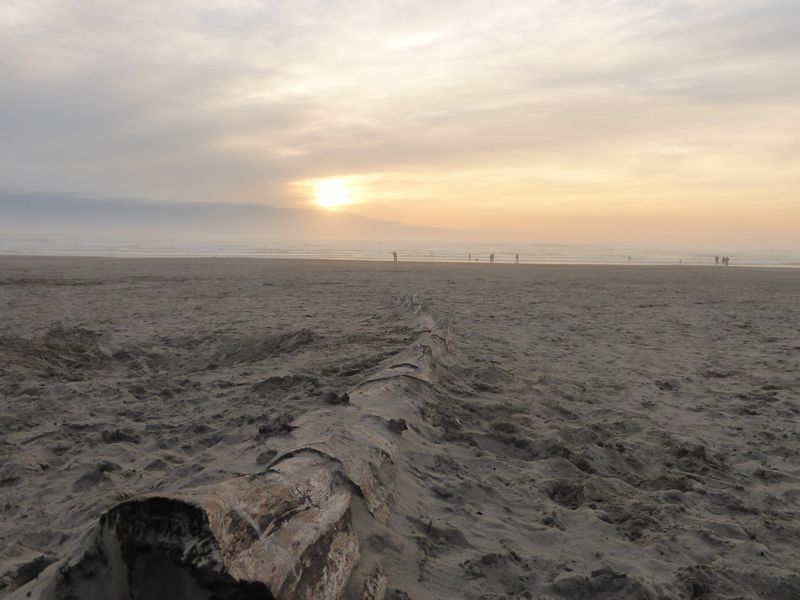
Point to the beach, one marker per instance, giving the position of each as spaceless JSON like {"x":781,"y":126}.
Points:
{"x":626,"y":432}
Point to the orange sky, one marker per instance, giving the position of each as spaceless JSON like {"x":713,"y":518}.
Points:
{"x":563,"y":121}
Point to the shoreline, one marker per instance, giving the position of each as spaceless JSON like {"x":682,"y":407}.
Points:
{"x":237,"y":257}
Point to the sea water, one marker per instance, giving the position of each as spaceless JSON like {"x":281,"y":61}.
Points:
{"x":382,"y":250}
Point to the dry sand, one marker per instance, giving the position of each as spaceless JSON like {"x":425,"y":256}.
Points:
{"x":594,"y":432}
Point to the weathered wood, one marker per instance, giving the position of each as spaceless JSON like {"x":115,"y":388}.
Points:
{"x":285,"y":534}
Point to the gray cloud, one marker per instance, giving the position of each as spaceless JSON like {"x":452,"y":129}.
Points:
{"x":107,"y":218}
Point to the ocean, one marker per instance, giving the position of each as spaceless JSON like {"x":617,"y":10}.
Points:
{"x":382,"y":251}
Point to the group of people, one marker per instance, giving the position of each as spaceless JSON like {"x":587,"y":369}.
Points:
{"x":725,"y":260}
{"x":491,"y":258}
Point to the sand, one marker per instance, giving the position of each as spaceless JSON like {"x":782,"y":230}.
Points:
{"x":593,"y":432}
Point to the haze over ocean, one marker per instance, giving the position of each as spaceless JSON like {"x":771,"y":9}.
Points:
{"x":530,"y":253}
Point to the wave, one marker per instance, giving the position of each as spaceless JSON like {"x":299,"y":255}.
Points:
{"x":450,"y":252}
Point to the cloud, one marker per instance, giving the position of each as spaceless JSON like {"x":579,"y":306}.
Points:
{"x":602,"y":105}
{"x":104,"y":218}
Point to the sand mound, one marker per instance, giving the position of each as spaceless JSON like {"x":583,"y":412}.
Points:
{"x":247,"y":351}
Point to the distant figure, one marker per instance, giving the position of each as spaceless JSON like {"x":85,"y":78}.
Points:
{"x":516,"y":259}
{"x":716,"y":259}
{"x":470,"y":258}
{"x":394,"y":255}
{"x":629,"y":258}
{"x":680,"y":261}
{"x":491,"y":258}
{"x":726,"y":260}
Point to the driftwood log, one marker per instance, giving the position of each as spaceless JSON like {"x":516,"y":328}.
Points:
{"x":286,"y":533}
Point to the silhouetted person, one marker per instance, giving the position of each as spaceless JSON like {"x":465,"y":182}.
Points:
{"x":394,"y":255}
{"x":470,"y":258}
{"x":516,"y":259}
{"x":491,"y":258}
{"x":716,"y":259}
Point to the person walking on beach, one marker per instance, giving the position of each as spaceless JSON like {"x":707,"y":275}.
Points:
{"x":516,"y":259}
{"x":491,"y":258}
{"x":469,"y":260}
{"x":394,"y":255}
{"x":716,"y":259}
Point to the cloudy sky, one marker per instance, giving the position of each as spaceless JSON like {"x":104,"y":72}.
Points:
{"x":623,"y":121}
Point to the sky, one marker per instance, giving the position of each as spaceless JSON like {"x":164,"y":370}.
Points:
{"x":627,"y":121}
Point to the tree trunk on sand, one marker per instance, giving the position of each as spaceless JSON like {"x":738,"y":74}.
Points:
{"x":287,"y":533}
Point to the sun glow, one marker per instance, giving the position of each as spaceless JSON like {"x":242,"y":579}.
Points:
{"x":333,"y":193}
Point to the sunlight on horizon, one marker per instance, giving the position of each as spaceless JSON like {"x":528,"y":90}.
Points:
{"x":333,"y":193}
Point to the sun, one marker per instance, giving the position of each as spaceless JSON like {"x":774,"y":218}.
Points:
{"x":333,"y":193}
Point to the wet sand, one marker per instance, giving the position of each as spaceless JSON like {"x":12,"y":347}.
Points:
{"x":594,"y":432}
